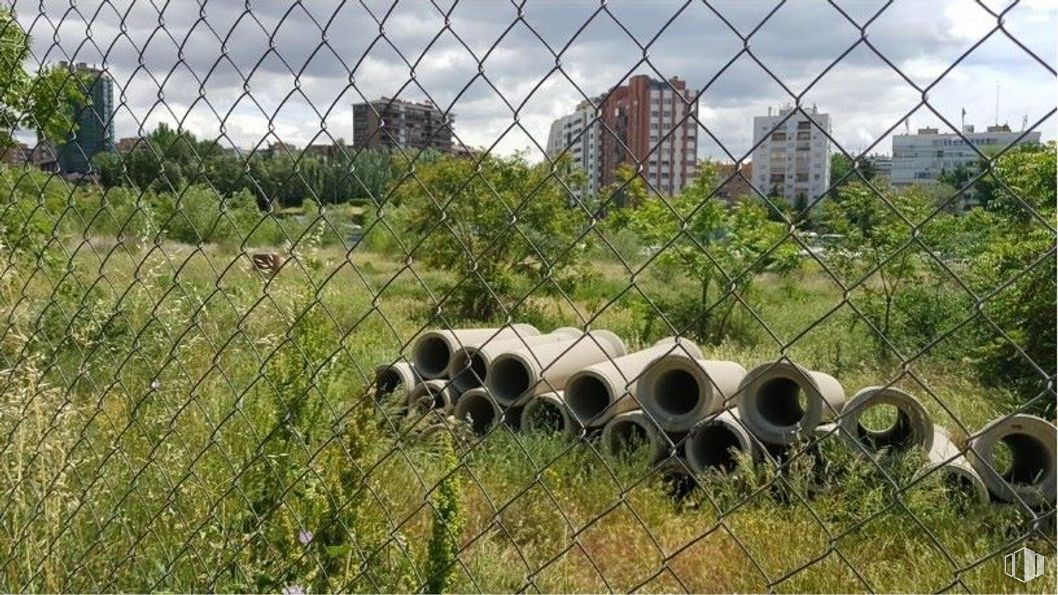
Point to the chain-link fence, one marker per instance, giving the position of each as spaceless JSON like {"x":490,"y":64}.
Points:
{"x":216,"y":370}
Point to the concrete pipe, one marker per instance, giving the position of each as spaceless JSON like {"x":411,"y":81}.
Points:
{"x":717,"y":443}
{"x":1027,"y":470}
{"x":470,"y":364}
{"x":633,"y":430}
{"x":782,"y":402}
{"x":676,"y":475}
{"x":517,"y":375}
{"x":429,"y":395}
{"x":954,"y":470}
{"x":432,"y":351}
{"x":679,"y":390}
{"x":547,"y":412}
{"x":910,"y":427}
{"x":396,"y":380}
{"x":598,"y":392}
{"x":479,"y":410}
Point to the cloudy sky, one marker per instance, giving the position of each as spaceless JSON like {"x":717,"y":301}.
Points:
{"x":271,"y":71}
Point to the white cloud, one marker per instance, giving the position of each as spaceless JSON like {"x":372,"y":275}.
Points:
{"x":245,"y":63}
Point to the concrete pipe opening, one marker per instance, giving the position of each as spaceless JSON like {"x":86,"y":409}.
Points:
{"x":588,"y":397}
{"x":477,"y":410}
{"x":1021,"y":459}
{"x":625,"y":438}
{"x":431,"y":356}
{"x":510,"y":379}
{"x":429,"y":395}
{"x":677,"y":480}
{"x":472,"y":369}
{"x":714,"y":446}
{"x":542,"y":415}
{"x":782,"y":402}
{"x":1015,"y":457}
{"x":676,"y":392}
{"x":388,"y":381}
{"x":880,"y":418}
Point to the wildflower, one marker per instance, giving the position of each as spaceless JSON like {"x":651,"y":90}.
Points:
{"x":305,"y":536}
{"x":293,"y":590}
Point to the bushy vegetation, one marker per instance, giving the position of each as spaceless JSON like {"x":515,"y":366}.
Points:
{"x":175,"y":420}
{"x":501,"y":225}
{"x":44,"y":100}
{"x":168,"y":160}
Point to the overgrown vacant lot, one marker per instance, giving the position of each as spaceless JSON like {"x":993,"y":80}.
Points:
{"x":176,"y":419}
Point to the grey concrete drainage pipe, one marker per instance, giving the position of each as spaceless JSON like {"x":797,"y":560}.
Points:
{"x":432,"y":351}
{"x":547,"y":412}
{"x":715,"y":444}
{"x":782,"y":402}
{"x":430,"y":395}
{"x":396,"y":380}
{"x":910,"y":428}
{"x":679,"y":391}
{"x":478,"y":409}
{"x":469,"y":365}
{"x":677,"y":477}
{"x":598,"y":392}
{"x":633,"y":430}
{"x":517,"y":375}
{"x":1026,"y":471}
{"x":955,"y":471}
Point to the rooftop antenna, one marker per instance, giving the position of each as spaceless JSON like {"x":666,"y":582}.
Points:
{"x":907,"y":126}
{"x":962,"y":123}
{"x":1024,"y":122}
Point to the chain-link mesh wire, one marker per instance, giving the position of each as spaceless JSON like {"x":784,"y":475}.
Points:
{"x":192,"y":327}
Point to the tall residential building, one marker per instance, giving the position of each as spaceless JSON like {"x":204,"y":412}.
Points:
{"x":792,"y":158}
{"x":577,"y":135}
{"x":922,"y":157}
{"x":650,"y":123}
{"x":394,"y":123}
{"x":95,"y":121}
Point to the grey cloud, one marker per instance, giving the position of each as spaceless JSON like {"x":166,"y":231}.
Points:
{"x":325,"y":41}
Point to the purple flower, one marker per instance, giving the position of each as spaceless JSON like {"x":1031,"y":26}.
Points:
{"x":293,"y":590}
{"x":305,"y":536}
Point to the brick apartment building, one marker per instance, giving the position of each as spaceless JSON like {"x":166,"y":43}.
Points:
{"x":644,"y":122}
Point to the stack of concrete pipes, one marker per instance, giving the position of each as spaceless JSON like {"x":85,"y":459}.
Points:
{"x":697,"y":415}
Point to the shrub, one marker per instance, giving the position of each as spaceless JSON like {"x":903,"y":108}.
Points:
{"x":500,"y":224}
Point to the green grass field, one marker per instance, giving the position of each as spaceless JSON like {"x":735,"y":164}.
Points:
{"x":172,"y":419}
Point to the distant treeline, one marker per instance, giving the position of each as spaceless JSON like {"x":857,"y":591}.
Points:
{"x":167,"y":160}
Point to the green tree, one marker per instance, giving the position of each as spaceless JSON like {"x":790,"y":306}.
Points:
{"x":845,"y":170}
{"x":501,"y":225}
{"x":1006,"y":245}
{"x":41,"y":101}
{"x":905,"y":296}
{"x":723,"y":249}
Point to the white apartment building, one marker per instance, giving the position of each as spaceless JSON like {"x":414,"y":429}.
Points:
{"x":578,"y":135}
{"x":921,"y":157}
{"x":793,"y":160}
